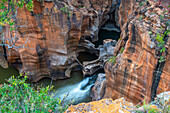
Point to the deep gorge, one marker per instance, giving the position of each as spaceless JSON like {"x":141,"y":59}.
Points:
{"x":77,"y":83}
{"x":91,"y":49}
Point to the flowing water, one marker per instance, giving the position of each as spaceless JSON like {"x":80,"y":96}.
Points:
{"x":77,"y":88}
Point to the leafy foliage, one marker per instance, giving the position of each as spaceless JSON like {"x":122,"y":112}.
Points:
{"x":8,"y":10}
{"x":65,"y":10}
{"x":141,"y":4}
{"x":112,"y":59}
{"x":159,"y":105}
{"x":140,"y":18}
{"x":19,"y":97}
{"x":121,"y":50}
{"x":160,"y":39}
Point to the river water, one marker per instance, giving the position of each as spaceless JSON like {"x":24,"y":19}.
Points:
{"x":6,"y":73}
{"x":77,"y":87}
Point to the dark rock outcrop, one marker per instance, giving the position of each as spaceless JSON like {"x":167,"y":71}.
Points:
{"x":99,"y":87}
{"x":105,"y":52}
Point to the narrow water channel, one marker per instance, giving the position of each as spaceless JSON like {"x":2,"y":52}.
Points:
{"x":76,"y":87}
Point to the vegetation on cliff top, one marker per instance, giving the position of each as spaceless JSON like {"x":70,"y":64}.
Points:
{"x":8,"y":10}
{"x":17,"y":96}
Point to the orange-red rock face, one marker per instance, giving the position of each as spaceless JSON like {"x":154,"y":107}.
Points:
{"x":137,"y":73}
{"x":49,"y":35}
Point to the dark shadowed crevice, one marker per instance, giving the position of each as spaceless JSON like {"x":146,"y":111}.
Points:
{"x":156,"y":78}
{"x":106,"y":34}
{"x":86,"y":56}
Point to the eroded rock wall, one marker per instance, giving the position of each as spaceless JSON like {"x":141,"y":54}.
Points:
{"x":46,"y":39}
{"x":137,"y":72}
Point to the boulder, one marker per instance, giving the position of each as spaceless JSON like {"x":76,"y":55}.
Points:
{"x":3,"y":61}
{"x":98,"y":89}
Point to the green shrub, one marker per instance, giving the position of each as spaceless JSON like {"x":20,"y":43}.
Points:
{"x":112,"y":59}
{"x":8,"y":8}
{"x":65,"y":10}
{"x":160,"y":39}
{"x":121,"y":50}
{"x":19,"y":97}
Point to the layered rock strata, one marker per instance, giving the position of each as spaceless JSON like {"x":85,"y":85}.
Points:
{"x":45,"y":40}
{"x":140,"y":70}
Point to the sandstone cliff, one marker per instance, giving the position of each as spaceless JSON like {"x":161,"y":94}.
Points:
{"x":140,"y":71}
{"x":45,"y":40}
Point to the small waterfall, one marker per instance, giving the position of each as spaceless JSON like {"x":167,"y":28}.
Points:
{"x":78,"y":92}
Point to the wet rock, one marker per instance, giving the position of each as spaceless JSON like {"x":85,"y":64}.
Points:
{"x":109,"y":46}
{"x":3,"y":61}
{"x":89,"y":68}
{"x":86,"y":46}
{"x":98,"y":89}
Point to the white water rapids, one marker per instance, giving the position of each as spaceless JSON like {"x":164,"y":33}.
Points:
{"x":77,"y":92}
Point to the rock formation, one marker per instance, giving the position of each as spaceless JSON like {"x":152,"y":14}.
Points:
{"x":105,"y":51}
{"x":3,"y":61}
{"x":99,"y":87}
{"x":140,"y":71}
{"x":102,"y":106}
{"x":48,"y":41}
{"x":160,"y":105}
{"x":45,"y":40}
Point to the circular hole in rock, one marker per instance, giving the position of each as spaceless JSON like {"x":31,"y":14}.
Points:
{"x":106,"y":34}
{"x":86,"y":56}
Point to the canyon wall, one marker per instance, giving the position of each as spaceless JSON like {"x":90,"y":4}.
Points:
{"x":140,"y":70}
{"x":45,"y":40}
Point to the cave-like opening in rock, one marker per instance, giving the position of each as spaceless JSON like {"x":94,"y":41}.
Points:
{"x":86,"y":56}
{"x":106,"y":34}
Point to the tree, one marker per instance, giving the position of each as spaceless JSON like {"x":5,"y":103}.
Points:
{"x":8,"y":12}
